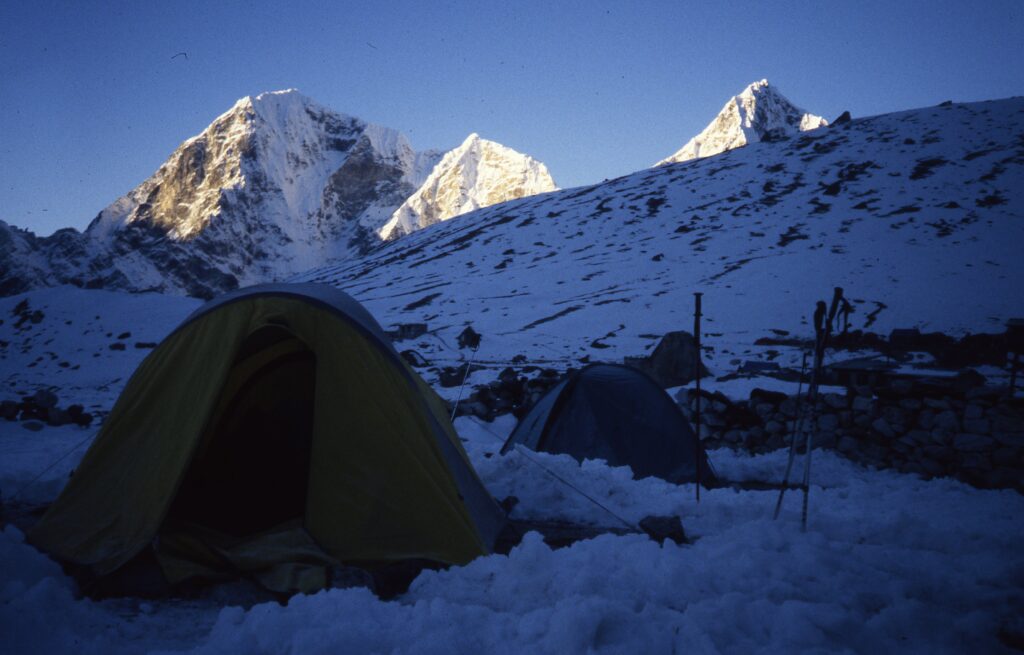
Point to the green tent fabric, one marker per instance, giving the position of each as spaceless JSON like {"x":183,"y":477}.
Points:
{"x":272,"y":404}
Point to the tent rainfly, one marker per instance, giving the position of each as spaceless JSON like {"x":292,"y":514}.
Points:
{"x":274,"y":431}
{"x":618,"y":414}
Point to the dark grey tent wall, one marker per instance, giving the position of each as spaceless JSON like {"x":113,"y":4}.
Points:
{"x":617,"y":414}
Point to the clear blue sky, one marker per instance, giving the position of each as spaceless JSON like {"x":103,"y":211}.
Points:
{"x":92,"y":102}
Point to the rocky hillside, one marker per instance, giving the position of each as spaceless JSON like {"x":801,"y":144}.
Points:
{"x":758,"y":113}
{"x":276,"y":185}
{"x":918,"y":215}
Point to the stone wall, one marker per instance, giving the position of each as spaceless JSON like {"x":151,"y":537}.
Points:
{"x":976,"y":437}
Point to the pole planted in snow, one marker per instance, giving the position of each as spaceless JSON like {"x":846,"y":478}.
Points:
{"x":823,"y":329}
{"x":696,"y":374}
{"x":798,"y":427}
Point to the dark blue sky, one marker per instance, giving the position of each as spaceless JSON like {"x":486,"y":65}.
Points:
{"x":92,"y":102}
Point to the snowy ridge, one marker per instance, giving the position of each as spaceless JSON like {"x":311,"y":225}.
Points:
{"x":758,"y":111}
{"x":478,"y":173}
{"x":901,"y":210}
{"x":274,"y":186}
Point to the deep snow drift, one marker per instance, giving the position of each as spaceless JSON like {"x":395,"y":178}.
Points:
{"x":889,"y":563}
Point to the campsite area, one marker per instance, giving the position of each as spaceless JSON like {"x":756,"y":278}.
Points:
{"x":888,"y":558}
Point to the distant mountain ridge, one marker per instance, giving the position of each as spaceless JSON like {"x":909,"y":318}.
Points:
{"x":274,"y":186}
{"x":759,"y":112}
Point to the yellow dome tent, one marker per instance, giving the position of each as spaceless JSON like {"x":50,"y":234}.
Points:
{"x":274,"y":430}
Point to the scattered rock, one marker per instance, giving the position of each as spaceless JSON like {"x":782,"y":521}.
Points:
{"x":973,"y":442}
{"x":44,"y":399}
{"x":660,"y":528}
{"x":9,"y":410}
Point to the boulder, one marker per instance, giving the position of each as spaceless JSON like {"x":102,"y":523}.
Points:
{"x":44,"y":399}
{"x":772,"y":398}
{"x":978,"y":425}
{"x":882,"y":427}
{"x":834,"y":400}
{"x":828,"y":422}
{"x":863,"y":404}
{"x":973,"y":411}
{"x":469,"y":338}
{"x":674,"y":360}
{"x":973,"y":442}
{"x":452,"y":376}
{"x":83,"y":419}
{"x":660,"y":528}
{"x":414,"y":359}
{"x":9,"y":410}
{"x":848,"y":445}
{"x":947,"y":420}
{"x":57,"y":417}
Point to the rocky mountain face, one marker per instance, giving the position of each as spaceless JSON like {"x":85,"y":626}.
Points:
{"x":759,"y":113}
{"x":276,"y":185}
{"x":478,"y":173}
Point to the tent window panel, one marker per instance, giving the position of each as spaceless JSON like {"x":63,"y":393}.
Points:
{"x":251,"y":472}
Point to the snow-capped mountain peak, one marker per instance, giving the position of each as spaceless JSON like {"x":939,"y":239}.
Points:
{"x":476,"y":174}
{"x":275,"y":185}
{"x":759,"y":111}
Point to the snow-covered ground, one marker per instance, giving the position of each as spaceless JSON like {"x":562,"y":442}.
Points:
{"x":912,"y":213}
{"x":890,"y":563}
{"x":915,"y":214}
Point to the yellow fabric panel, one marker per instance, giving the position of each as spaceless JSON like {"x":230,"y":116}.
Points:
{"x":443,"y":417}
{"x":379,"y":487}
{"x":115,"y":501}
{"x":284,"y":559}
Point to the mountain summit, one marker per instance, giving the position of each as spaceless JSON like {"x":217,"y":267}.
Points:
{"x":274,"y":186}
{"x":279,"y":178}
{"x":759,"y":113}
{"x":477,"y":174}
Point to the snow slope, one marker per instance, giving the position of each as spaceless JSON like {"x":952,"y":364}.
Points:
{"x":916,"y":214}
{"x":274,"y":186}
{"x":478,"y":173}
{"x":758,"y":113}
{"x":889,"y":563}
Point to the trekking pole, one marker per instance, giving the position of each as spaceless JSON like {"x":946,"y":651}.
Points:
{"x":798,"y":424}
{"x":696,"y":374}
{"x":465,"y":376}
{"x":823,"y":327}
